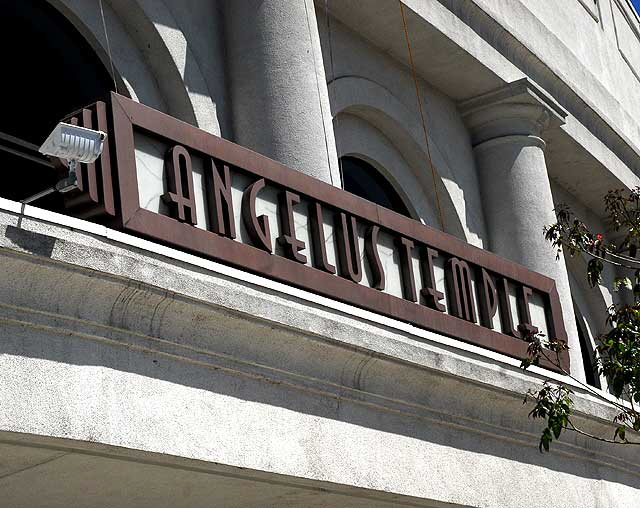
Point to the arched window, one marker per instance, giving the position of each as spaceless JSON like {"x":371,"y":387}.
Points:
{"x":362,"y":179}
{"x":50,"y":71}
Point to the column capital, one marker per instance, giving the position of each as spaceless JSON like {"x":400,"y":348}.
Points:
{"x":516,"y":110}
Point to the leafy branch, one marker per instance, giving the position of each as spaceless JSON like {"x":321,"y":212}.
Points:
{"x":617,"y":352}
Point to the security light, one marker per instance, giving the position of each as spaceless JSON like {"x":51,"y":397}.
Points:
{"x":75,"y":144}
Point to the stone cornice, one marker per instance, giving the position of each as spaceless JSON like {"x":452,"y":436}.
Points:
{"x":517,"y":109}
{"x":150,"y":304}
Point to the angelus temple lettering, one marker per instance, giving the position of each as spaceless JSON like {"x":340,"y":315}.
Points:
{"x":304,"y":266}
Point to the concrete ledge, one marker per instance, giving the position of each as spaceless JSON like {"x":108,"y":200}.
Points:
{"x":113,"y":341}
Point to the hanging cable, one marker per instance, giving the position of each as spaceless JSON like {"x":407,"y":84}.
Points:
{"x":422,"y":115}
{"x":106,"y":36}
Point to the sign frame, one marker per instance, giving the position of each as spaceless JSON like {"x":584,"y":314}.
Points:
{"x":127,"y":115}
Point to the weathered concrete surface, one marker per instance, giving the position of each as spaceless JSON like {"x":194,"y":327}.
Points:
{"x":465,"y":52}
{"x":165,"y":56}
{"x":592,"y":47}
{"x":165,"y":353}
{"x":278,"y":89}
{"x":507,"y":127}
{"x":153,"y":353}
{"x":369,"y":84}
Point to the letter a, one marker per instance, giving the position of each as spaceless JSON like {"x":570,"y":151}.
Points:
{"x":179,"y":197}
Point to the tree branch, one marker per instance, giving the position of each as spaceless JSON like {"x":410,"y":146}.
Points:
{"x":587,"y":387}
{"x":598,"y":438}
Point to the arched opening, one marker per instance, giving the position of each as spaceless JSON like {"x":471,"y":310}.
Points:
{"x":50,"y":71}
{"x":362,"y":179}
{"x":587,"y":350}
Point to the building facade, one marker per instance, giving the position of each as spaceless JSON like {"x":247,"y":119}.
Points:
{"x":214,"y":319}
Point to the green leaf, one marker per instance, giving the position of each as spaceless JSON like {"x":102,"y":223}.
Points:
{"x":545,"y":440}
{"x":617,"y":351}
{"x":622,"y":282}
{"x":594,"y":271}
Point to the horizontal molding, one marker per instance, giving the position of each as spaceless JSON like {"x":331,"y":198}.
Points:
{"x":331,"y":354}
{"x":553,"y":79}
{"x":315,"y":387}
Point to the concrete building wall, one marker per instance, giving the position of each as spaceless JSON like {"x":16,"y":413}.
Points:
{"x":182,"y":359}
{"x":369,"y":84}
{"x":592,"y":45}
{"x":126,"y":366}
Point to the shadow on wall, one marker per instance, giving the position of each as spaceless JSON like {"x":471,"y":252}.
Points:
{"x":457,"y":191}
{"x":199,"y":343}
{"x":517,"y":54}
{"x":168,"y":53}
{"x":191,"y":31}
{"x":31,"y":242}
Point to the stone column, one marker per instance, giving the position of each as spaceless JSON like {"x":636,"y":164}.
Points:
{"x":279,"y":97}
{"x":507,"y":128}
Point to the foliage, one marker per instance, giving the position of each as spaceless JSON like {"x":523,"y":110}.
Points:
{"x":553,"y":403}
{"x":617,"y":354}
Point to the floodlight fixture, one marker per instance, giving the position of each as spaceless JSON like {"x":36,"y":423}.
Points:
{"x":74,"y":144}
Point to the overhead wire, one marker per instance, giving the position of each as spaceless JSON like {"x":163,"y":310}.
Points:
{"x":422,"y":115}
{"x":106,"y":36}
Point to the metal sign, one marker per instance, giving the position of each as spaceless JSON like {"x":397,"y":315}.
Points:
{"x":183,"y":187}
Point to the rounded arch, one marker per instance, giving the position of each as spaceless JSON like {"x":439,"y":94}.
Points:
{"x":587,"y":347}
{"x":56,"y":73}
{"x":365,"y":180}
{"x":90,"y":38}
{"x":379,"y":107}
{"x":151,"y":56}
{"x":361,"y":139}
{"x":590,"y":305}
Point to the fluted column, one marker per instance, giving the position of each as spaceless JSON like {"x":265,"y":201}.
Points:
{"x":507,"y":128}
{"x":279,"y":97}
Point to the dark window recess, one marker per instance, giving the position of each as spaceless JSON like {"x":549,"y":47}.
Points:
{"x":588,"y":357}
{"x":362,"y":179}
{"x":50,"y":71}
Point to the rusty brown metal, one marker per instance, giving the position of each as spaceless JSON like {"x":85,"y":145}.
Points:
{"x":96,"y":199}
{"x":257,"y":227}
{"x":488,"y":301}
{"x":432,"y":297}
{"x":291,"y":245}
{"x":461,"y":289}
{"x":104,"y":163}
{"x":349,"y":263}
{"x":405,"y":248}
{"x":88,"y":181}
{"x":319,"y":248}
{"x":218,"y":186}
{"x":373,"y":257}
{"x":506,"y":316}
{"x":348,"y":211}
{"x":524,"y":313}
{"x":179,"y":174}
